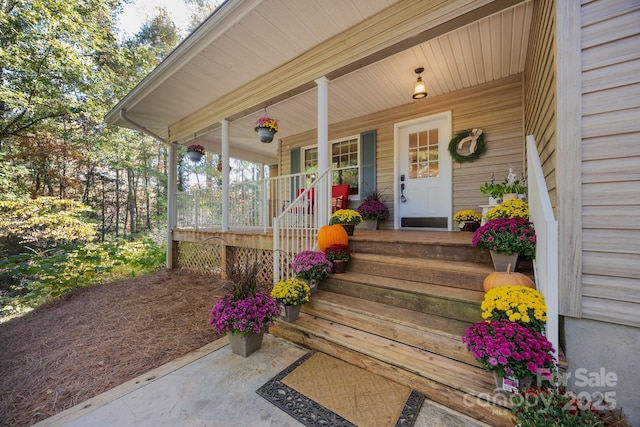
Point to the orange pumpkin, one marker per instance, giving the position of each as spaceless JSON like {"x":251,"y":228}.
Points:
{"x":331,"y":235}
{"x":508,"y":278}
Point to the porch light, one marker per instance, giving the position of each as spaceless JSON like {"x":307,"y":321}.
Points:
{"x":419,"y":88}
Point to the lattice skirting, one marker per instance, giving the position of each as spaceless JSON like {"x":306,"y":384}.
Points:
{"x":208,"y":258}
{"x":200,"y":257}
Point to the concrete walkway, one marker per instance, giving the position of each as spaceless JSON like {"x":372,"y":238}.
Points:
{"x":211,"y":387}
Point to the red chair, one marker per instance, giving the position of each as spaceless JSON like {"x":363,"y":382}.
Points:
{"x":339,"y":197}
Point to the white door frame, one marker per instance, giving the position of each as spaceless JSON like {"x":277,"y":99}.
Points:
{"x":445,"y":156}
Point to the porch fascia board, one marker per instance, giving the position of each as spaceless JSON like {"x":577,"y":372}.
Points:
{"x":399,"y":27}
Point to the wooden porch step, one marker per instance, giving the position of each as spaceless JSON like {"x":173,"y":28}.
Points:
{"x":432,"y":333}
{"x":450,"y":382}
{"x":452,"y":303}
{"x":457,"y":274}
{"x":440,"y":245}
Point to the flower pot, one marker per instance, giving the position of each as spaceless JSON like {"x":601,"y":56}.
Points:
{"x":289,"y":313}
{"x":313,"y":284}
{"x":494,"y":201}
{"x":194,"y":156}
{"x":349,"y":228}
{"x":502,"y":261}
{"x":509,"y":196}
{"x":469,"y":225}
{"x":265,"y":134}
{"x":372,"y":224}
{"x":339,"y":267}
{"x":245,"y":345}
{"x":512,"y":384}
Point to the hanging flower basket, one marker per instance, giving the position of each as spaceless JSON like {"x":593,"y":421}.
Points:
{"x":195,"y":152}
{"x":194,"y":156}
{"x":266,"y":128}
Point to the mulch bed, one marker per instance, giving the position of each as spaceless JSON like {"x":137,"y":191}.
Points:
{"x":98,"y":337}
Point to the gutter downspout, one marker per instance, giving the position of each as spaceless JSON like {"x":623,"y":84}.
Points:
{"x":172,"y":188}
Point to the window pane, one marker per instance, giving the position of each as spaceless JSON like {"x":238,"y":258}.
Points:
{"x":423,"y":154}
{"x":344,"y":156}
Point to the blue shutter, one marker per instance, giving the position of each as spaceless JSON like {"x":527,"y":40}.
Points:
{"x":368,"y":166}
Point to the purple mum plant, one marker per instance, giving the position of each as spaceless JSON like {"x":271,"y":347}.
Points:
{"x":373,"y":209}
{"x":311,"y":265}
{"x":244,"y":309}
{"x":508,"y":348}
{"x":507,"y":236}
{"x":253,"y":314}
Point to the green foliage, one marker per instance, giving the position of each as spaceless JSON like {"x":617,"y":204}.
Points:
{"x":50,"y":53}
{"x":42,"y":223}
{"x":551,"y":408}
{"x":27,"y":280}
{"x":12,"y":180}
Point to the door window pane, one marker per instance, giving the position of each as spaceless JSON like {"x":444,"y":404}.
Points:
{"x":423,"y":154}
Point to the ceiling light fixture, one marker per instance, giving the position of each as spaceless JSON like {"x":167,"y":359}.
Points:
{"x":419,"y":88}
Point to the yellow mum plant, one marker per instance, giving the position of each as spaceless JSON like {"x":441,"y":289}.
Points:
{"x":518,"y":304}
{"x":467,"y":215}
{"x":346,"y":216}
{"x":291,"y":292}
{"x":514,"y":208}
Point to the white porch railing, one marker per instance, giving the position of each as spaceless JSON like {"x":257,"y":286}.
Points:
{"x":252,"y":204}
{"x":546,"y":262}
{"x":202,"y":208}
{"x":296,"y":206}
{"x":295,"y":229}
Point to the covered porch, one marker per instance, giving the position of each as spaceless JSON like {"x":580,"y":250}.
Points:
{"x":339,"y":77}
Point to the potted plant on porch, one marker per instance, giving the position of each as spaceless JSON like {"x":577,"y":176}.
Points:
{"x":505,"y":239}
{"x":494,"y":191}
{"x":339,"y":255}
{"x":348,"y":218}
{"x":373,"y":210}
{"x":515,"y":354}
{"x":290,"y":294}
{"x":467,"y":219}
{"x":312,"y":267}
{"x":513,"y":208}
{"x":512,"y":187}
{"x":519,"y":304}
{"x":245,"y":313}
{"x":195,"y":152}
{"x":266,"y":128}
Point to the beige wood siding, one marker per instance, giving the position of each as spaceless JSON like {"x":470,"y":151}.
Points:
{"x":610,"y":37}
{"x":494,"y":107}
{"x":540,"y":90}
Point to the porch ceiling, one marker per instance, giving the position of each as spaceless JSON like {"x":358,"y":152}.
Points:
{"x":245,"y":40}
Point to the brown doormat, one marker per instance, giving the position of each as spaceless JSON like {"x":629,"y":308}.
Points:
{"x":321,"y":390}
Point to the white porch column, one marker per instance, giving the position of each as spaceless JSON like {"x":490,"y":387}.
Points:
{"x":324,"y":193}
{"x":225,"y":175}
{"x":172,"y":207}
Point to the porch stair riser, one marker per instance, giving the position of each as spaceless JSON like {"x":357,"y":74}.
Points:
{"x":465,"y":275}
{"x":458,"y":304}
{"x":438,"y":250}
{"x":403,"y":317}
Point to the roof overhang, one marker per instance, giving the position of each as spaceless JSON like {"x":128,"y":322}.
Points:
{"x":252,"y":55}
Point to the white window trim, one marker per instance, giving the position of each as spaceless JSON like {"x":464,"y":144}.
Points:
{"x":303,"y":149}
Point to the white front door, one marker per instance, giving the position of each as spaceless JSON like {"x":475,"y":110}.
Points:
{"x":423,"y":173}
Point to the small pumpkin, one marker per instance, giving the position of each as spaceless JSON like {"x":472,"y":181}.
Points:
{"x":508,"y":278}
{"x":332,"y":235}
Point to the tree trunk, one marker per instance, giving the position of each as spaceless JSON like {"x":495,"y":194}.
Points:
{"x":117,"y":202}
{"x":131,"y":202}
